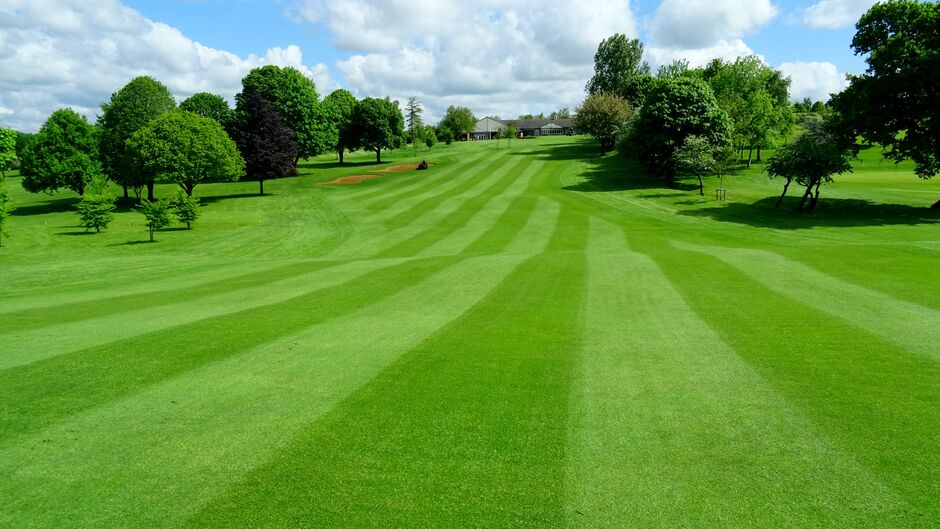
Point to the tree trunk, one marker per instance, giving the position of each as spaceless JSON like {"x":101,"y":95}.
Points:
{"x":126,"y":196}
{"x":296,"y":160}
{"x":378,"y":155}
{"x":701,"y":186}
{"x":341,"y":152}
{"x":188,"y":187}
{"x":261,"y":186}
{"x":812,"y":203}
{"x":150,"y":191}
{"x":750,"y":151}
{"x":758,"y":154}
{"x":809,"y":191}
{"x":780,"y":200}
{"x":151,"y":233}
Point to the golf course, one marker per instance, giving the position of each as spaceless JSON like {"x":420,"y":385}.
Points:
{"x":531,"y":335}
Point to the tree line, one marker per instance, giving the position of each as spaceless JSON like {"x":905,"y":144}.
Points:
{"x":703,"y":120}
{"x":142,"y":138}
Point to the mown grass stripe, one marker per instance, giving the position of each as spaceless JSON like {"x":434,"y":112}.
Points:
{"x":458,"y":215}
{"x":493,"y":414}
{"x":867,"y":396}
{"x":669,"y":424}
{"x":42,"y":392}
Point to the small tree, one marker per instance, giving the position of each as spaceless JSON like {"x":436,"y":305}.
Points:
{"x":696,"y":156}
{"x":186,"y":208}
{"x":510,"y":133}
{"x":378,"y":124}
{"x":96,"y":208}
{"x":445,"y":135}
{"x":811,"y":160}
{"x":459,"y":120}
{"x":413,"y":112}
{"x":605,"y":117}
{"x":63,"y":154}
{"x":156,"y":215}
{"x":430,"y":138}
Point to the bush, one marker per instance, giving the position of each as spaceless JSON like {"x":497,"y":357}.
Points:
{"x":186,"y":208}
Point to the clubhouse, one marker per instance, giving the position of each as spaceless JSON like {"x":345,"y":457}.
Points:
{"x":488,"y":128}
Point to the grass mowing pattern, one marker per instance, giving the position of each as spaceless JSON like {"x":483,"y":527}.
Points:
{"x":535,"y":337}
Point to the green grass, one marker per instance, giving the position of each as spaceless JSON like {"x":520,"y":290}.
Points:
{"x":529,"y":337}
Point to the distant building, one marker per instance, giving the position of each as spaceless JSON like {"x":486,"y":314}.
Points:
{"x":488,"y":128}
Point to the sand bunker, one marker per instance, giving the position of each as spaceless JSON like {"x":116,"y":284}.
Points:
{"x":350,"y":180}
{"x":400,"y":168}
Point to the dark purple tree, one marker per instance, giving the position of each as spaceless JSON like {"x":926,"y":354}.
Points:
{"x":267,"y":145}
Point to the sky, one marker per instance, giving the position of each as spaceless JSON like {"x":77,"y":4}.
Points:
{"x":502,"y":58}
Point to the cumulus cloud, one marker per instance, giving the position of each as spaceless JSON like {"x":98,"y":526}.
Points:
{"x":815,"y":80}
{"x":496,"y":57}
{"x":834,"y":14}
{"x":695,"y":24}
{"x":58,"y":53}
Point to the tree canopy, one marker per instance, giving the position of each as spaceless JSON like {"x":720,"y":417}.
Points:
{"x":674,"y":110}
{"x":265,"y":142}
{"x":336,"y":112}
{"x":183,"y":148}
{"x":457,"y":120}
{"x":604,"y":116}
{"x":617,"y":65}
{"x":896,"y":102}
{"x":63,"y":155}
{"x":413,"y":120}
{"x":7,"y":149}
{"x":208,"y":106}
{"x":294,"y":96}
{"x":132,"y":107}
{"x":378,"y":124}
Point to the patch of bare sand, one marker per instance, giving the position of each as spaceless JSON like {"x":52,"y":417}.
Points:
{"x":350,"y":180}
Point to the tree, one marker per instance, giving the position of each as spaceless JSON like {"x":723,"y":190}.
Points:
{"x":294,"y":96}
{"x":4,"y":207}
{"x":183,"y":148}
{"x":561,"y":113}
{"x":674,"y":110}
{"x":430,"y":138}
{"x":696,"y":156}
{"x":208,"y":106}
{"x":186,"y":208}
{"x":445,"y":135}
{"x":811,"y":159}
{"x":896,"y":102}
{"x":378,"y":124}
{"x":265,"y":142}
{"x":413,"y":112}
{"x":7,"y":150}
{"x":603,"y":116}
{"x":63,"y":155}
{"x":136,"y":104}
{"x":510,"y":133}
{"x":96,"y":208}
{"x":458,"y":120}
{"x":335,"y":115}
{"x":675,"y":69}
{"x":617,"y":64}
{"x":156,"y":215}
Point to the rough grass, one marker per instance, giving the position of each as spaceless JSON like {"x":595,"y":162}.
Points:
{"x":527,"y":337}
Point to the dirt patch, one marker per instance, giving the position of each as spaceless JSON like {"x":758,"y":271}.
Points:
{"x":350,"y":180}
{"x":400,"y":168}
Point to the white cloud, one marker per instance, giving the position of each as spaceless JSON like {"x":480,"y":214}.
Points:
{"x":60,"y":53}
{"x":834,"y":14}
{"x":815,"y":80}
{"x":494,"y":56}
{"x":696,"y":24}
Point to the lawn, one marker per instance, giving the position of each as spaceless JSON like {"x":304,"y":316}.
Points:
{"x":535,"y":336}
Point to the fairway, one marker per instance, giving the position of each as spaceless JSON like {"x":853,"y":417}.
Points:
{"x":527,"y":337}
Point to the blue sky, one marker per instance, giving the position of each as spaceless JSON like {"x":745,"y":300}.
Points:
{"x":495,"y":56}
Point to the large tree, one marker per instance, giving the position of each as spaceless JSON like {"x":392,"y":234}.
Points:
{"x":378,"y":125}
{"x":7,"y":149}
{"x":266,"y":143}
{"x":674,"y":110}
{"x":618,"y":64}
{"x":335,"y":115}
{"x":208,"y":106}
{"x":458,"y":120}
{"x":604,"y":116}
{"x":63,"y":155}
{"x":132,"y":107}
{"x":4,"y":207}
{"x":811,"y":159}
{"x":413,"y":120}
{"x":896,"y":102}
{"x":294,"y":96}
{"x":184,"y":148}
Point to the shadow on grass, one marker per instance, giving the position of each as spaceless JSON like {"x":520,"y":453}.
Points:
{"x":135,"y":243}
{"x":56,"y":205}
{"x":77,"y":233}
{"x":832,"y":212}
{"x":206,"y":200}
{"x":336,"y":164}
